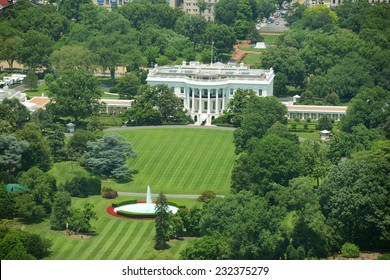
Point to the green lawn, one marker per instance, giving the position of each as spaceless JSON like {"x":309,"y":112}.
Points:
{"x":42,"y":88}
{"x":66,"y":170}
{"x":252,"y":59}
{"x":270,"y":39}
{"x":179,"y":160}
{"x":313,"y":136}
{"x":115,"y":238}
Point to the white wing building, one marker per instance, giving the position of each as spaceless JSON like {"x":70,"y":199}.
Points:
{"x":207,"y":89}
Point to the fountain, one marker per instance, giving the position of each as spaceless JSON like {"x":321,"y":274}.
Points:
{"x":140,"y":208}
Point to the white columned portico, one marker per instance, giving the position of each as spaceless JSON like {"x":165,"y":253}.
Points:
{"x":217,"y":102}
{"x":193,"y":100}
{"x":208,"y":101}
{"x":200,"y":100}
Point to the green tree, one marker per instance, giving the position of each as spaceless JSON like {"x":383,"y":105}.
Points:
{"x":324,"y":123}
{"x":272,"y":159}
{"x":162,"y":222}
{"x":354,"y":198}
{"x":61,"y":210}
{"x":80,"y":220}
{"x":238,"y":105}
{"x":41,"y":185}
{"x":221,"y":37}
{"x":26,"y":208}
{"x":193,"y":27}
{"x":107,"y":155}
{"x":11,"y":50}
{"x":31,"y":79}
{"x":315,"y":162}
{"x":260,"y":115}
{"x":73,"y":57}
{"x":78,"y":142}
{"x":207,"y":248}
{"x":38,"y":152}
{"x":128,"y":85}
{"x":14,"y":112}
{"x":75,"y":94}
{"x":11,"y":152}
{"x":369,"y":107}
{"x":36,"y":49}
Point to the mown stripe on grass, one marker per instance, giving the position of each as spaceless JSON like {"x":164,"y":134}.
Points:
{"x":126,"y":239}
{"x":105,"y":235}
{"x":144,"y":236}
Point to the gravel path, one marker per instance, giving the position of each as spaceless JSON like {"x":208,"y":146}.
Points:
{"x":167,"y":195}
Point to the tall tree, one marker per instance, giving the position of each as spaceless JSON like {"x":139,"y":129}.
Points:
{"x":192,"y":27}
{"x":11,"y":50}
{"x":355,"y":198}
{"x":76,"y":95}
{"x":38,"y":153}
{"x":11,"y":151}
{"x":36,"y":49}
{"x":259,"y":115}
{"x":107,"y":155}
{"x":162,"y":222}
{"x":75,"y":58}
{"x":61,"y":210}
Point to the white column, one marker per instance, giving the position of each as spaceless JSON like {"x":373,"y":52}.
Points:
{"x":193,"y":100}
{"x":200,"y":101}
{"x":208,"y":101}
{"x":216,"y":102}
{"x":187,"y":93}
{"x":223,"y":99}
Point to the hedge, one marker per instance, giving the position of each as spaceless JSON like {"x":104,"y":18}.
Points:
{"x":124,"y":202}
{"x":136,"y":215}
{"x":176,"y":204}
{"x":141,"y":215}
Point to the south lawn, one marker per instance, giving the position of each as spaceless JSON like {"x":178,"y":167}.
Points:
{"x":114,"y":238}
{"x":179,"y":160}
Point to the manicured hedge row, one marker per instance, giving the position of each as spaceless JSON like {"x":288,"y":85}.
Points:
{"x":136,"y":215}
{"x":124,"y":202}
{"x":176,"y":204}
{"x":141,"y":215}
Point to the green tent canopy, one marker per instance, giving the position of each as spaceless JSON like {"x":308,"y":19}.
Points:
{"x":16,"y":188}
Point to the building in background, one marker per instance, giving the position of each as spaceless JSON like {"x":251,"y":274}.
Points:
{"x":206,"y":89}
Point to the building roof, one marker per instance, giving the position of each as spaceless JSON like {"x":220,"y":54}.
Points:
{"x":40,"y":102}
{"x":321,"y":109}
{"x":117,"y":102}
{"x":196,"y":70}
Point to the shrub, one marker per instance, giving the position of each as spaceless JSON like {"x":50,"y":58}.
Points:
{"x":109,"y":193}
{"x":176,"y":204}
{"x":206,"y":196}
{"x":294,"y":125}
{"x":350,"y":250}
{"x":83,"y":186}
{"x":384,"y":257}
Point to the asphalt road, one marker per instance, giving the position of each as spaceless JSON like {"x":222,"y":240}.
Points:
{"x":273,"y":27}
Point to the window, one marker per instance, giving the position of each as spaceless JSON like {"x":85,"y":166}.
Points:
{"x":231,"y":91}
{"x":205,"y":105}
{"x":181,"y":90}
{"x":260,"y":92}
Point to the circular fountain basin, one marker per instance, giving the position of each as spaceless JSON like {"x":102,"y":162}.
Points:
{"x":144,"y":208}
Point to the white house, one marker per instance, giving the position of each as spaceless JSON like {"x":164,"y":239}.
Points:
{"x":207,"y":88}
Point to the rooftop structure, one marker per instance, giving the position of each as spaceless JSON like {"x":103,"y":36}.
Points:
{"x":207,"y":88}
{"x":304,"y":112}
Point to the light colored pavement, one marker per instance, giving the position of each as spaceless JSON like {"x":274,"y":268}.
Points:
{"x":169,"y":126}
{"x":192,"y":196}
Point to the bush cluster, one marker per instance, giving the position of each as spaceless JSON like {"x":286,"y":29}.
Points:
{"x":83,"y":186}
{"x":350,"y":250}
{"x":109,"y":193}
